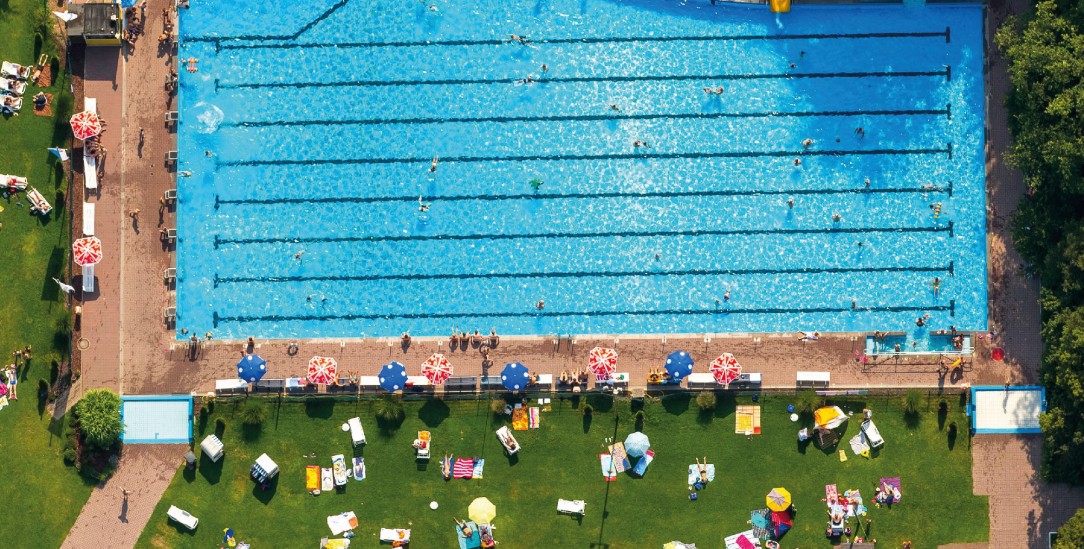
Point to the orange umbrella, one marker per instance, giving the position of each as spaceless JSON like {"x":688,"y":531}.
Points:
{"x":323,"y":370}
{"x":437,"y":369}
{"x":87,"y":251}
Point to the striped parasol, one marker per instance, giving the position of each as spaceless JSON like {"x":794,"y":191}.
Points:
{"x":85,"y":125}
{"x":602,"y":361}
{"x":87,"y":251}
{"x":437,"y":369}
{"x":725,"y":368}
{"x":323,"y":370}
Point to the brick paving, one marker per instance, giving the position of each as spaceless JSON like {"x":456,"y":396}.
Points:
{"x":109,"y":519}
{"x":131,"y":349}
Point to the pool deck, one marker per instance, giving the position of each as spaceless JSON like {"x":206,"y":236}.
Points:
{"x":128,"y":346}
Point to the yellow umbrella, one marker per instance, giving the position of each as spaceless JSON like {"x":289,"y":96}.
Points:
{"x":482,"y":511}
{"x":778,"y":499}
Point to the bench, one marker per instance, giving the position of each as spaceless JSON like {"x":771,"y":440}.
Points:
{"x":461,"y":385}
{"x":88,"y":218}
{"x":230,"y":386}
{"x":814,"y":380}
{"x":701,"y":381}
{"x":491,"y":383}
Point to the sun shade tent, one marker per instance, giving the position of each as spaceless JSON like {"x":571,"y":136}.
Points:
{"x":213,"y":448}
{"x":829,"y":417}
{"x":264,"y":469}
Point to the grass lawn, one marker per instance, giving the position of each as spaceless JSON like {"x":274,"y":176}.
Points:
{"x":560,"y":460}
{"x":42,"y":495}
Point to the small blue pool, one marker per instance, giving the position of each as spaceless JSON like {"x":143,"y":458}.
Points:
{"x":156,"y":419}
{"x":355,"y":169}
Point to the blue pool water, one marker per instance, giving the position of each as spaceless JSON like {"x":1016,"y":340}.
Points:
{"x":321,"y":121}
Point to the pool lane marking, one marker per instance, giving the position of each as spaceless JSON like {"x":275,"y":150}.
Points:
{"x":951,"y":308}
{"x":590,"y":118}
{"x":608,"y":156}
{"x":217,"y":40}
{"x":561,"y":196}
{"x":948,"y":269}
{"x":571,"y":40}
{"x":219,"y":241}
{"x":946,"y":72}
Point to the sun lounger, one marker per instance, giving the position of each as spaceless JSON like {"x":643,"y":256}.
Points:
{"x":511,"y":445}
{"x":357,"y":433}
{"x":338,"y":466}
{"x":11,"y":104}
{"x":312,"y":477}
{"x":873,"y":435}
{"x":88,"y":279}
{"x":327,"y":480}
{"x":12,"y":183}
{"x":183,"y":517}
{"x":38,"y":204}
{"x":390,"y":535}
{"x":88,"y":218}
{"x":12,"y":86}
{"x":571,"y":507}
{"x":342,"y":522}
{"x":423,"y":445}
{"x":14,"y":71}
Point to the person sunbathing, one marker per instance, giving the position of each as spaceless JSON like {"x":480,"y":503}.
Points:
{"x":564,"y":377}
{"x":455,"y":339}
{"x":493,"y":339}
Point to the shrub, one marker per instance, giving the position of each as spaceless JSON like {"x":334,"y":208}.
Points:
{"x":497,"y":406}
{"x":254,"y":412}
{"x":69,"y":456}
{"x":389,"y":409}
{"x":807,"y":401}
{"x":912,"y":402}
{"x":98,"y":414}
{"x":588,"y":410}
{"x":706,"y":401}
{"x":220,"y":425}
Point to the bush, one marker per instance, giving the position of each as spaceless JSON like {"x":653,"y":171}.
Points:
{"x":98,"y":414}
{"x":254,"y":412}
{"x":912,"y":402}
{"x":389,"y":409}
{"x":588,"y":410}
{"x":69,"y":456}
{"x":1071,"y":534}
{"x":220,"y":425}
{"x":706,"y":401}
{"x":807,"y":401}
{"x":497,"y":406}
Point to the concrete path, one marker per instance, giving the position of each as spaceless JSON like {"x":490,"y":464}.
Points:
{"x":109,"y":519}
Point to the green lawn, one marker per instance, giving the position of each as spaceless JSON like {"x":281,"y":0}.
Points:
{"x":559,"y":460}
{"x":43,"y":496}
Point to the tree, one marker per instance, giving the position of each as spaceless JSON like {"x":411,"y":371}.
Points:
{"x":1071,"y":534}
{"x":254,"y":412}
{"x":98,"y":414}
{"x":389,"y":410}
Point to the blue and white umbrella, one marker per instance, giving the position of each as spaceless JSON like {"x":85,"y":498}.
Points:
{"x":251,"y":368}
{"x":393,"y":377}
{"x":679,"y":364}
{"x":636,"y":444}
{"x":515,"y":377}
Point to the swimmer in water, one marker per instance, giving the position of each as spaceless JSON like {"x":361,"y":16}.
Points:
{"x":790,"y":203}
{"x":797,"y":161}
{"x":614,"y":107}
{"x":807,"y":143}
{"x":433,"y":166}
{"x":422,"y":206}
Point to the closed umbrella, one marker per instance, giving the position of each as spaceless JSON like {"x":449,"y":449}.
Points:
{"x":726,"y":369}
{"x":437,"y":369}
{"x":323,"y":370}
{"x":515,"y":377}
{"x":636,"y":444}
{"x":679,"y":364}
{"x":778,"y":499}
{"x":482,"y":511}
{"x":251,"y":368}
{"x":392,"y":377}
{"x":602,"y":361}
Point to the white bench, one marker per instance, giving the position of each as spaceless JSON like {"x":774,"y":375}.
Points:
{"x":183,"y":517}
{"x":88,"y":219}
{"x":88,"y":279}
{"x":90,"y":164}
{"x":814,"y":380}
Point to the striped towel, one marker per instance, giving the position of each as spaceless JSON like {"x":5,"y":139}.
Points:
{"x":534,"y":418}
{"x":831,"y":493}
{"x":463,"y":468}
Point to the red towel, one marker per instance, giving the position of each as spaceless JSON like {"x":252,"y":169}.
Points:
{"x":744,"y":543}
{"x":463,"y":468}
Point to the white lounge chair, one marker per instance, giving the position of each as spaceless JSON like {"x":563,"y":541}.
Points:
{"x":357,"y":433}
{"x":38,"y":204}
{"x":12,"y":86}
{"x":873,"y":435}
{"x":389,"y":535}
{"x":13,"y":70}
{"x":183,"y":517}
{"x":10,"y":104}
{"x":571,"y":507}
{"x":511,"y":445}
{"x":12,"y":182}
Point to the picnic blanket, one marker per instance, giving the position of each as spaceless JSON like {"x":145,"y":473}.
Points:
{"x":608,"y":471}
{"x":342,"y":522}
{"x":534,"y":418}
{"x":359,"y":468}
{"x":854,"y":504}
{"x":694,"y":473}
{"x":463,"y":468}
{"x":327,"y":481}
{"x":761,"y":521}
{"x":747,"y":420}
{"x":621,"y":459}
{"x":519,"y":419}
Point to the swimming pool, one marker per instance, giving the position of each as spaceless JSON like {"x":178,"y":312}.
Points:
{"x":309,"y":133}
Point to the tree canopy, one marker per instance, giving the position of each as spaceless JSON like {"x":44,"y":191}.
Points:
{"x":99,"y":417}
{"x":1071,"y":534}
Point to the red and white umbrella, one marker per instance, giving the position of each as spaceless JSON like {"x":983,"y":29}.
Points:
{"x":323,"y":370}
{"x":437,"y":369}
{"x":725,"y":368}
{"x":87,"y":251}
{"x":602,"y":361}
{"x":86,"y":125}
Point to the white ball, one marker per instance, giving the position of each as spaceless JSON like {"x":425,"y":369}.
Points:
{"x":433,"y":505}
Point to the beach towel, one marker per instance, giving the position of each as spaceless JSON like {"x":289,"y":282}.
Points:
{"x":342,"y":522}
{"x":694,"y":473}
{"x":359,"y":468}
{"x":641,"y":465}
{"x":831,"y":493}
{"x":312,"y":478}
{"x":893,"y":484}
{"x":519,"y":419}
{"x":842,"y":455}
{"x":327,"y":481}
{"x":621,"y":459}
{"x":534,"y":418}
{"x":463,"y":468}
{"x":859,"y":446}
{"x":479,"y":464}
{"x":747,"y":420}
{"x":608,"y":471}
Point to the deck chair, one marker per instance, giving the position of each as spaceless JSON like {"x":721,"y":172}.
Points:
{"x":170,"y":235}
{"x":571,"y":507}
{"x":170,"y":196}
